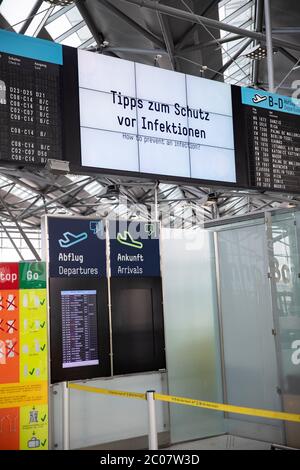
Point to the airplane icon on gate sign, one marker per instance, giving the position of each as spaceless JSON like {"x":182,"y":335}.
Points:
{"x":259,"y":98}
{"x":71,"y":239}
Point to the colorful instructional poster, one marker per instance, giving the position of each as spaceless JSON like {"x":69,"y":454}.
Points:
{"x":34,"y":427}
{"x":33,"y":335}
{"x":23,"y":357}
{"x":23,"y":394}
{"x":9,"y":276}
{"x":9,"y":336}
{"x":9,"y":428}
{"x":32,"y":275}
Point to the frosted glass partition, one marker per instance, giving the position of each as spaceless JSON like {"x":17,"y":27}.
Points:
{"x":284,"y":251}
{"x":191,"y":330}
{"x":249,"y":347}
{"x":99,"y":419}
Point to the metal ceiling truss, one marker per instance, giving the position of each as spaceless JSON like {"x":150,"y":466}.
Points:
{"x":192,"y":29}
{"x":137,"y":27}
{"x":56,"y":15}
{"x":168,"y":39}
{"x":209,"y":22}
{"x":33,"y":12}
{"x":27,"y":196}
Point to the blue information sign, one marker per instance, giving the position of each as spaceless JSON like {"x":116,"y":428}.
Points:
{"x":77,"y":248}
{"x":32,"y":48}
{"x":134,"y":249}
{"x":264,"y":99}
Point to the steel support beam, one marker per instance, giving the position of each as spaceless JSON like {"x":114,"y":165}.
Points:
{"x":43,"y":22}
{"x":4,"y":24}
{"x":70,"y":31}
{"x":32,"y":13}
{"x":212,"y":43}
{"x":232,"y":60}
{"x":214,"y":24}
{"x":133,"y":50}
{"x":59,"y":13}
{"x":288,"y":55}
{"x":99,"y":38}
{"x":259,"y":15}
{"x":55,"y":200}
{"x":87,"y":43}
{"x":132,"y":23}
{"x":28,"y":242}
{"x":17,"y":181}
{"x":167,"y":35}
{"x":286,"y":30}
{"x":270,"y":60}
{"x":12,"y":241}
{"x":180,"y":42}
{"x":246,"y":6}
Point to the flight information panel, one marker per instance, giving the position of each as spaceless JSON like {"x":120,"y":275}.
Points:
{"x":30,"y":110}
{"x":79,"y":328}
{"x":273,"y":133}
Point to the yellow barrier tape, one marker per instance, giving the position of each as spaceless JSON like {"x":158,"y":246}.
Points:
{"x":229,"y":408}
{"x":104,"y":391}
{"x":191,"y":402}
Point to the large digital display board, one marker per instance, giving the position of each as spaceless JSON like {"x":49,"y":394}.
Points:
{"x":30,"y":100}
{"x":147,"y":120}
{"x":272,"y":132}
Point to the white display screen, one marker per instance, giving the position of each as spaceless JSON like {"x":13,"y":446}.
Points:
{"x":143,"y":119}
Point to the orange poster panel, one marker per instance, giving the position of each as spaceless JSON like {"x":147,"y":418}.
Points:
{"x":9,"y":429}
{"x":9,"y":336}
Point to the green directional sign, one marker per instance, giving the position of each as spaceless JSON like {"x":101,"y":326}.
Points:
{"x":32,"y":275}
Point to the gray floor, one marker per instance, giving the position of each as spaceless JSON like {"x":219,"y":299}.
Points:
{"x":225,"y":442}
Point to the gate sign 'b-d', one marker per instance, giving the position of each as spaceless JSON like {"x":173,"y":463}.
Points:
{"x":134,"y":249}
{"x":77,"y":248}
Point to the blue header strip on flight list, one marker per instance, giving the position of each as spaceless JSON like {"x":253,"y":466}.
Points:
{"x":274,"y":102}
{"x":32,"y":48}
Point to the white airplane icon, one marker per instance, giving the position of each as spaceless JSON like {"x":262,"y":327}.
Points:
{"x":258,"y":98}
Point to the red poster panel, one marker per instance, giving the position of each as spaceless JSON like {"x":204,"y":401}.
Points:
{"x":9,"y":276}
{"x":9,"y":429}
{"x":9,"y":336}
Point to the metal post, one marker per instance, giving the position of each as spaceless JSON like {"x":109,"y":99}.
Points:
{"x":156,"y":208}
{"x":45,"y":258}
{"x":152,"y":434}
{"x":220,"y":315}
{"x":66,"y":416}
{"x":108,"y":274}
{"x":258,"y":27}
{"x":269,"y":247}
{"x":269,"y":46}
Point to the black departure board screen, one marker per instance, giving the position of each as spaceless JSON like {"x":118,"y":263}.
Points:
{"x":273,"y":140}
{"x":79,"y":328}
{"x":274,"y":149}
{"x":30,"y":110}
